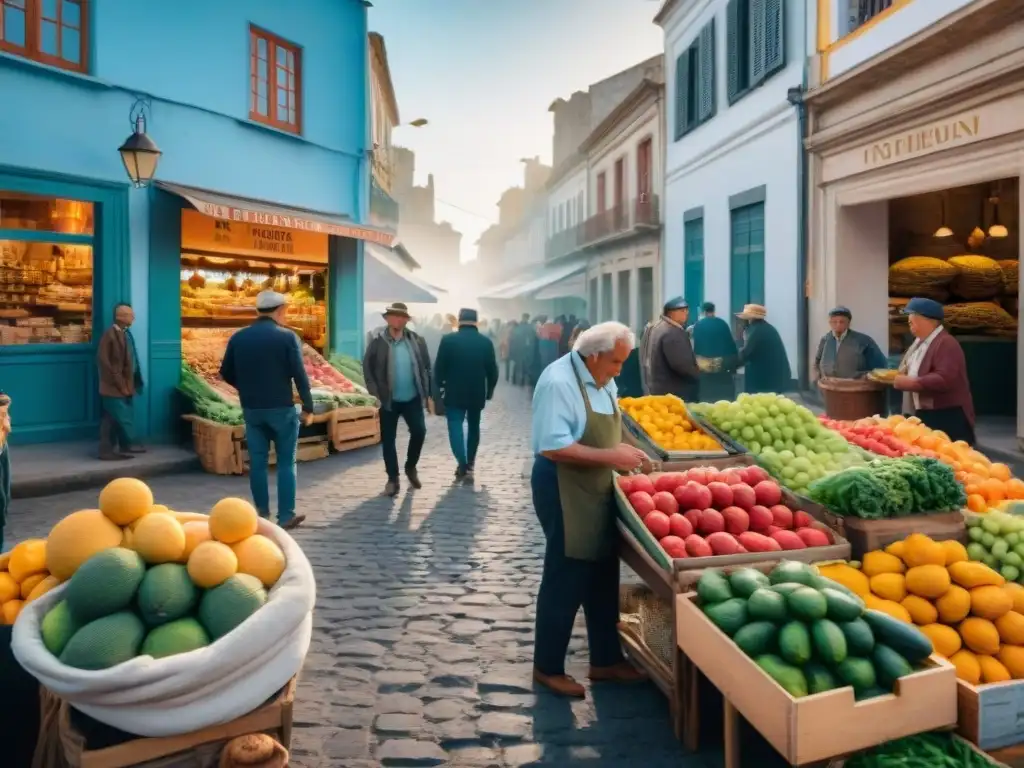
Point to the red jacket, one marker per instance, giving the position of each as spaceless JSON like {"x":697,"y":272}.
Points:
{"x":942,"y":378}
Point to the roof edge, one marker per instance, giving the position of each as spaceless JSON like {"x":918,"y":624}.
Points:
{"x":627,"y":105}
{"x":378,"y":47}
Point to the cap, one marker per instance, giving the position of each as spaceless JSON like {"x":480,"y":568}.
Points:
{"x":924,"y":307}
{"x":468,"y":317}
{"x":673,"y":304}
{"x":270,"y":300}
{"x":707,"y":306}
{"x":841,"y":311}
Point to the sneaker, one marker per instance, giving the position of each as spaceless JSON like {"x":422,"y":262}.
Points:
{"x":114,"y":456}
{"x":461,"y":472}
{"x":293,"y":522}
{"x":414,"y":478}
{"x":392,"y":488}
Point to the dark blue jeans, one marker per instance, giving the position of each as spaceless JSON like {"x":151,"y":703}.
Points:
{"x":567,"y":584}
{"x":464,"y":434}
{"x":412,"y":413}
{"x":279,"y":426}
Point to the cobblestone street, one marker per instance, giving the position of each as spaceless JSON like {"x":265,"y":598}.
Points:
{"x":423,"y":642}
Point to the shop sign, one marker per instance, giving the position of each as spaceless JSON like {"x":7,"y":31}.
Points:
{"x":943,"y":135}
{"x":203,"y":233}
{"x":247,"y":216}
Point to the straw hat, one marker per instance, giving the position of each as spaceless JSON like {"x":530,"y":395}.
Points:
{"x":752,"y":312}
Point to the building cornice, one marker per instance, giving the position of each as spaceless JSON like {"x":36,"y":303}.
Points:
{"x":380,"y":52}
{"x":636,"y":98}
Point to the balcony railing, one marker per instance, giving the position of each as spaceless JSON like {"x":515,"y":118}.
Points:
{"x":565,"y":242}
{"x":619,"y":220}
{"x":862,"y":11}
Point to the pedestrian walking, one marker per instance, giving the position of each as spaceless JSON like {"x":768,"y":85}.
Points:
{"x":763,"y":356}
{"x":577,"y":445}
{"x":466,"y":372}
{"x":505,"y":346}
{"x":396,"y":366}
{"x":262,"y":362}
{"x":120,"y":379}
{"x":666,"y":354}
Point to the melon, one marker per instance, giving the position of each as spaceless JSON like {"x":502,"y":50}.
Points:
{"x":78,"y":537}
{"x":125,"y":500}
{"x":212,"y":563}
{"x":105,"y":642}
{"x":232,"y":520}
{"x":225,"y":607}
{"x":106,"y":583}
{"x":166,"y":594}
{"x":175,"y":637}
{"x":260,"y":557}
{"x":159,"y":538}
{"x":57,"y":628}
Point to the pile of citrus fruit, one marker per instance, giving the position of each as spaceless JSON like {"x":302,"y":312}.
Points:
{"x":23,"y":578}
{"x":666,"y":421}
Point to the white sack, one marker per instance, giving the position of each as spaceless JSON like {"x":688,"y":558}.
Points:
{"x":179,"y":694}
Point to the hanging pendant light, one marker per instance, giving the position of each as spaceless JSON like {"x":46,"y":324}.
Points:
{"x":943,"y":230}
{"x":997,"y":229}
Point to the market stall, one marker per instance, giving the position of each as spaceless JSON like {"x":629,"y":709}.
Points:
{"x":151,"y":632}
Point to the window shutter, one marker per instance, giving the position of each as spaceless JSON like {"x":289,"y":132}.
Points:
{"x":706,"y":83}
{"x":775,"y":36}
{"x":682,"y":82}
{"x":757,"y":41}
{"x":733,"y":41}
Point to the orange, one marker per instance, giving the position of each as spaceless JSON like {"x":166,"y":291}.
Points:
{"x":78,"y":537}
{"x":232,"y":520}
{"x":27,"y":558}
{"x":999,"y":472}
{"x":125,"y":500}
{"x":993,"y":490}
{"x":196,"y":532}
{"x":11,"y":609}
{"x":1015,"y":488}
{"x":980,"y":470}
{"x":976,"y":503}
{"x":159,"y":538}
{"x":211,"y":563}
{"x":9,"y":588}
{"x":260,"y":557}
{"x":30,"y":583}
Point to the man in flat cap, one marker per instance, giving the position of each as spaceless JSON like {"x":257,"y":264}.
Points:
{"x":262,"y":362}
{"x":844,"y":353}
{"x":666,"y":354}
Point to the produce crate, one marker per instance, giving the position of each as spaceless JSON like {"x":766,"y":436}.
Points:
{"x":353,"y":428}
{"x":200,"y":749}
{"x":811,"y":728}
{"x":309,"y":449}
{"x":639,"y":438}
{"x":869,"y":535}
{"x":991,"y":716}
{"x":218,"y":446}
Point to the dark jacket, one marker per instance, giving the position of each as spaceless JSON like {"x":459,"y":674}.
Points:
{"x":261,"y":362}
{"x":115,"y":363}
{"x":466,"y":369}
{"x":856,"y":356}
{"x":377,"y":366}
{"x":667,"y":357}
{"x":764,"y":361}
{"x":941,"y":380}
{"x":712,"y":339}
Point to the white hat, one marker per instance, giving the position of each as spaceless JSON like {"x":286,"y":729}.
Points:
{"x":270,"y":300}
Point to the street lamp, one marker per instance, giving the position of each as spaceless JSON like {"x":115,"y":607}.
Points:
{"x":139,"y":153}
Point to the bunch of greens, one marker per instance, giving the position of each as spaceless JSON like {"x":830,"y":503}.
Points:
{"x":205,"y":401}
{"x":329,"y":399}
{"x":886,"y":488}
{"x":349,"y":367}
{"x":925,"y":750}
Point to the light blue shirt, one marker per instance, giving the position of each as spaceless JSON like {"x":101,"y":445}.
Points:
{"x":403,"y":385}
{"x":559,"y":415}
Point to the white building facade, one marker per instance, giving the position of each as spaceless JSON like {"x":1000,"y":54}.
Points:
{"x":732,"y":195}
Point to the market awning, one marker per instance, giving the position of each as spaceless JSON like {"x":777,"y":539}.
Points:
{"x":530,"y":286}
{"x":243,"y":209}
{"x":387,"y":279}
{"x":569,"y":287}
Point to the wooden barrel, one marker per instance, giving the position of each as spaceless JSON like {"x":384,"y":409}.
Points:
{"x":852,"y":399}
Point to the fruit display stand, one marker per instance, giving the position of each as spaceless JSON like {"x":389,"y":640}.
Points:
{"x":61,"y":743}
{"x":218,"y":446}
{"x":990,"y":715}
{"x":868,"y":535}
{"x":634,"y":434}
{"x":812,"y":728}
{"x":352,"y":428}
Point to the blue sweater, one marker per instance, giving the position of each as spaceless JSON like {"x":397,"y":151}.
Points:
{"x":261,"y":362}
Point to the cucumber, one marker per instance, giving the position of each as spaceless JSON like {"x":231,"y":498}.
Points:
{"x":792,"y":572}
{"x":713,"y":587}
{"x":757,"y":639}
{"x":746,"y":581}
{"x":889,"y":666}
{"x":859,"y":638}
{"x":795,"y":643}
{"x":820,"y":678}
{"x":859,"y":673}
{"x":807,"y":603}
{"x":829,"y":641}
{"x":906,"y":639}
{"x":729,"y":616}
{"x":766,"y":605}
{"x":842,"y":606}
{"x":870,"y":693}
{"x":786,"y":589}
{"x":790,"y":678}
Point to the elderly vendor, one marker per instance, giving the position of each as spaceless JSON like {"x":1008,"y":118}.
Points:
{"x":933,"y":374}
{"x":844,"y":353}
{"x":577,"y":443}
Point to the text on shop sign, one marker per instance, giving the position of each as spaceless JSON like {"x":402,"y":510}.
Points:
{"x":923,"y":140}
{"x":257,"y":238}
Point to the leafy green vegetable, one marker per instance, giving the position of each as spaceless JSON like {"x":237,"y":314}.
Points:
{"x":349,"y":367}
{"x":206,"y":402}
{"x":925,"y":750}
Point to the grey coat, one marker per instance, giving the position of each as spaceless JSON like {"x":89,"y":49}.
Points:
{"x":668,"y":362}
{"x":377,"y":366}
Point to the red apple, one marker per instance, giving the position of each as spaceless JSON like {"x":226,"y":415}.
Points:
{"x":768,"y":493}
{"x":757,"y":542}
{"x":787,"y":539}
{"x":723,"y":544}
{"x":760,"y":517}
{"x":771,"y":530}
{"x":693,"y":515}
{"x":679,"y":526}
{"x":674,"y":547}
{"x":782,"y":516}
{"x":669,"y":481}
{"x":743,"y":495}
{"x":730,"y":477}
{"x":657,"y":523}
{"x":665,"y":502}
{"x":688,"y":496}
{"x":641,"y":502}
{"x":626,"y":484}
{"x":697,"y":547}
{"x":813,"y":537}
{"x":703,"y":496}
{"x":711,"y":521}
{"x":642,"y":483}
{"x":756,"y":474}
{"x":698,"y":475}
{"x":801,"y":519}
{"x":721,"y":495}
{"x":736,"y":520}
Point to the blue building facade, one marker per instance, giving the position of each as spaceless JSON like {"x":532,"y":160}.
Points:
{"x":265,"y":103}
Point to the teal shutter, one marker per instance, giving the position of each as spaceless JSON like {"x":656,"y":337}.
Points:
{"x":746,"y":261}
{"x":755,"y":254}
{"x":706,"y":80}
{"x":775,"y":36}
{"x":682,"y":93}
{"x":693,"y":263}
{"x":756,"y":46}
{"x":733,"y":50}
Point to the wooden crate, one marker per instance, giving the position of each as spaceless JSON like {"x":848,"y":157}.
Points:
{"x":188,"y":749}
{"x":218,"y":446}
{"x":804,"y":730}
{"x":353,"y":428}
{"x":309,"y":449}
{"x":991,"y":716}
{"x":869,"y":535}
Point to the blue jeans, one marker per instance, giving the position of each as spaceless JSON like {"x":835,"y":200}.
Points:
{"x":279,"y":426}
{"x":464,"y":446}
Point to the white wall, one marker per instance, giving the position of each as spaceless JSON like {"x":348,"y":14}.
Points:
{"x":627,"y":258}
{"x":564,"y":194}
{"x":623,"y":144}
{"x":906,"y":21}
{"x":754,"y":142}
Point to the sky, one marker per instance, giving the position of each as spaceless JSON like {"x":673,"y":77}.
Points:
{"x":483,"y":73}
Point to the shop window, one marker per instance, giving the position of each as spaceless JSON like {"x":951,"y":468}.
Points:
{"x":51,"y":32}
{"x":746,"y":259}
{"x":624,"y":302}
{"x":755,"y":44}
{"x":276,"y":81}
{"x":606,"y":297}
{"x":645,"y":295}
{"x":695,"y":82}
{"x":693,"y":264}
{"x":46,"y":270}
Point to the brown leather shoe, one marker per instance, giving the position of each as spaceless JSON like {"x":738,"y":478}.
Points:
{"x":623,"y":672}
{"x":563,"y":685}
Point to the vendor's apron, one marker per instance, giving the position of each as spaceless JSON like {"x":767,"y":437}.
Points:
{"x":586,"y":493}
